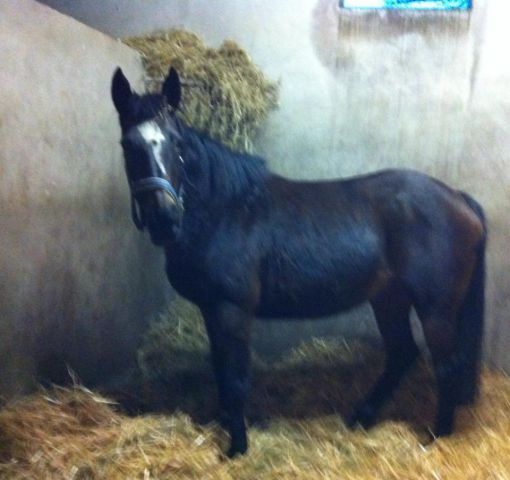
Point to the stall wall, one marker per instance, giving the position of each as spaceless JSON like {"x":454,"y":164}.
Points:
{"x":367,"y":90}
{"x":78,"y":285}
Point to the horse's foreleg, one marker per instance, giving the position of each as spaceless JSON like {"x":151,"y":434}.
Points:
{"x":228,"y":328}
{"x":217,"y":360}
{"x":391,"y":309}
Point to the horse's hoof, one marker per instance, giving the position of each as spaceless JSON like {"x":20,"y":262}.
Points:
{"x":237,"y":450}
{"x":426,"y":437}
{"x":363,"y":416}
{"x":443,"y":430}
{"x":261,"y":422}
{"x":467,"y":396}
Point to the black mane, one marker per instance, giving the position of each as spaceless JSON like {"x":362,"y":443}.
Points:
{"x":225,"y":175}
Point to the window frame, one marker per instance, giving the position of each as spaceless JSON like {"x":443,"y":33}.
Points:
{"x":427,"y":5}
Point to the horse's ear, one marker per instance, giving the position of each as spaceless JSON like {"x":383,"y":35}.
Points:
{"x":121,"y":91}
{"x":172,"y":88}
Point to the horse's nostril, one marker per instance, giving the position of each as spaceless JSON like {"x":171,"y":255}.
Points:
{"x":170,"y":198}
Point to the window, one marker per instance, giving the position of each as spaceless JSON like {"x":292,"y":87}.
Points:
{"x":409,"y":4}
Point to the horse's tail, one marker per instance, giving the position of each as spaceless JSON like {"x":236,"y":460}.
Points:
{"x":471,"y":317}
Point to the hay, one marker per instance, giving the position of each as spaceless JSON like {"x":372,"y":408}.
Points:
{"x":175,"y":341}
{"x":224,"y":94}
{"x":54,"y":433}
{"x":77,"y":434}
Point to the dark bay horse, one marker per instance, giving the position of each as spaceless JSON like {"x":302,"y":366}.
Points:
{"x":242,"y":242}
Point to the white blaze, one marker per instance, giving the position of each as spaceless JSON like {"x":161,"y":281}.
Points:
{"x":154,"y":137}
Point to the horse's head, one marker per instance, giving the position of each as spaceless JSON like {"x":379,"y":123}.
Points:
{"x":151,"y":145}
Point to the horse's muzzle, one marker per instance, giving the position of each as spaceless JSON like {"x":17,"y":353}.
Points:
{"x":151,"y":184}
{"x":163,"y":218}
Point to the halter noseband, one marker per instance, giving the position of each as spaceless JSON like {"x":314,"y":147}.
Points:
{"x":151,"y":184}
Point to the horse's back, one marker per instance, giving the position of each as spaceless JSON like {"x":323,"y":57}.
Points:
{"x":411,"y":204}
{"x":394,"y":200}
{"x":337,"y":243}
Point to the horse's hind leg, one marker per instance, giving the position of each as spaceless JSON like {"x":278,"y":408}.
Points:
{"x":440,"y":335}
{"x":391,"y":309}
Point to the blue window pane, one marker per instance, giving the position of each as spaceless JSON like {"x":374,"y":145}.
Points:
{"x":410,"y":4}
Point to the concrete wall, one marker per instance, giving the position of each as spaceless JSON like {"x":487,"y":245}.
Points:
{"x":362,"y":91}
{"x":77,"y":283}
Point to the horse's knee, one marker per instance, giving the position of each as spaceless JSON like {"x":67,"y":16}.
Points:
{"x":233,"y":323}
{"x":235,"y":392}
{"x":439,"y":333}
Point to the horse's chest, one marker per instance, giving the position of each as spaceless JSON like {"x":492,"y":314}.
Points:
{"x":188,"y":278}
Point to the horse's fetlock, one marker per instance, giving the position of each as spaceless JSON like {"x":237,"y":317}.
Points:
{"x":449,"y":369}
{"x":364,"y":416}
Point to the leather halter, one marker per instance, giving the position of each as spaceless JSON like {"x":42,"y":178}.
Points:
{"x":151,"y":184}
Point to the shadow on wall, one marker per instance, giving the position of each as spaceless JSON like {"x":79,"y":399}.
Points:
{"x":78,"y":284}
{"x":84,"y":303}
{"x":402,"y":81}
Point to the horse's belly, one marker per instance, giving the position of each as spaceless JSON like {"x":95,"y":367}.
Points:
{"x":321,"y":270}
{"x":306,"y":305}
{"x":299,"y":298}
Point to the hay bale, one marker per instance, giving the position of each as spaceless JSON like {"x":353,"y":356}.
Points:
{"x":224,"y":94}
{"x":77,"y":434}
{"x":175,"y":342}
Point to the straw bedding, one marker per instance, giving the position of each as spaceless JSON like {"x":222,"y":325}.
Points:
{"x":297,"y":403}
{"x":78,"y":434}
{"x":224,"y":93}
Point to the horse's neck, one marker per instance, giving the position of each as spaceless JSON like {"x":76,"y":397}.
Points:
{"x":198,"y":222}
{"x":187,"y":251}
{"x":206,"y":202}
